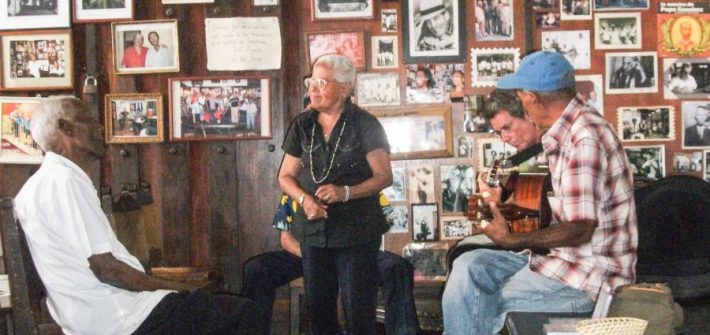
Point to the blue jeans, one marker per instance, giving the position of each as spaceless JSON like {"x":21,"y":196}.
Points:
{"x":353,"y":271}
{"x":484,"y":285}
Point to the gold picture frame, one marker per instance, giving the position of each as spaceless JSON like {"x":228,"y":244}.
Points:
{"x":417,"y":133}
{"x":134,"y":118}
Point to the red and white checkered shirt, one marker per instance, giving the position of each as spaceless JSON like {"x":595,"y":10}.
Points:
{"x":591,"y":180}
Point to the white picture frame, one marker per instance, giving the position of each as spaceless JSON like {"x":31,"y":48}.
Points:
{"x":16,"y":14}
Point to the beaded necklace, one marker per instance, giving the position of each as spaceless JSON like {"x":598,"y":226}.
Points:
{"x":332,"y":159}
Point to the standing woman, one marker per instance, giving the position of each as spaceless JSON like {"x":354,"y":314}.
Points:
{"x":336,"y":161}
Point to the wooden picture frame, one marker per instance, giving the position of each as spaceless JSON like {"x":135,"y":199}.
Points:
{"x":455,"y":227}
{"x":134,"y":118}
{"x":265,"y":2}
{"x":385,"y":52}
{"x":425,"y":222}
{"x":420,"y":40}
{"x":105,"y":13}
{"x":417,"y":132}
{"x":128,"y":61}
{"x":342,"y":9}
{"x":198,"y":114}
{"x":18,"y":147}
{"x":181,"y":2}
{"x":37,"y":60}
{"x":34,"y":14}
{"x":349,"y":43}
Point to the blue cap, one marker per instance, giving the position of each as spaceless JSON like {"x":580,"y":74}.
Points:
{"x":541,"y":71}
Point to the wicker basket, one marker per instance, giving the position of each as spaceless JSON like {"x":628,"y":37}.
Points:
{"x":612,"y":326}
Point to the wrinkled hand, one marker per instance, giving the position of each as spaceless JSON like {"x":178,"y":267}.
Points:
{"x":328,"y":194}
{"x":314,"y":209}
{"x":490,"y":194}
{"x":498,"y":229}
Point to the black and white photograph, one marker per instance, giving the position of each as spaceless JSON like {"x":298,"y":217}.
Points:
{"x":342,"y":9}
{"x":34,"y":14}
{"x":398,"y":219}
{"x":647,"y":162}
{"x":473,"y":109}
{"x":397,"y":191}
{"x":631,"y":72}
{"x":687,"y":162}
{"x":419,"y":132}
{"x":576,"y":9}
{"x":464,"y":147}
{"x":86,"y":11}
{"x":646,"y":123}
{"x":378,"y":89}
{"x":696,"y":124}
{"x":494,"y":20}
{"x":547,"y":20}
{"x":385,"y":52}
{"x":492,"y":149}
{"x":489,"y":65}
{"x":146,"y":46}
{"x":706,"y":168}
{"x":433,"y":31}
{"x":573,"y":44}
{"x":428,"y":259}
{"x":620,"y":4}
{"x":456,"y":185}
{"x":388,"y":18}
{"x":545,"y":5}
{"x":425,"y":222}
{"x":617,"y":31}
{"x":420,"y":184}
{"x":591,"y":87}
{"x":686,"y":78}
{"x":455,"y":227}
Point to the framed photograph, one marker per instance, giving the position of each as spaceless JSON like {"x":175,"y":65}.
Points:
{"x":433,"y":83}
{"x":39,"y":59}
{"x":696,"y":124}
{"x":398,"y":219}
{"x":428,"y":259}
{"x":420,"y":183}
{"x":473,"y":108}
{"x":396,"y":191}
{"x":457,"y":183}
{"x":425,"y":219}
{"x":464,"y":147}
{"x":417,"y":132}
{"x":494,"y":20}
{"x":687,"y":162}
{"x":573,"y":44}
{"x":647,"y":162}
{"x":591,"y":87}
{"x":19,"y":14}
{"x":576,"y":10}
{"x":617,"y":31}
{"x":547,"y":20}
{"x":266,"y":2}
{"x":455,"y":227}
{"x":342,"y":9}
{"x":684,"y":34}
{"x":220,"y":108}
{"x":433,"y":31}
{"x":638,"y":124}
{"x":385,"y":52}
{"x":350,"y":44}
{"x":686,"y":78}
{"x":101,"y":11}
{"x":620,"y":4}
{"x":18,"y":147}
{"x":388,"y":17}
{"x":490,"y":149}
{"x":706,"y":168}
{"x":545,"y":4}
{"x":378,"y":89}
{"x":146,"y":47}
{"x":133,"y":118}
{"x":180,"y":2}
{"x":631,"y":72}
{"x":489,"y":65}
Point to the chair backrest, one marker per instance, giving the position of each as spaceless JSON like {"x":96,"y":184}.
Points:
{"x":25,"y":284}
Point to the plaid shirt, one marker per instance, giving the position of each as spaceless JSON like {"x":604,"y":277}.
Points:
{"x":591,"y":180}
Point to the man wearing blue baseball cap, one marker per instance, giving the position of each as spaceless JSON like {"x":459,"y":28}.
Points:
{"x":592,"y":238}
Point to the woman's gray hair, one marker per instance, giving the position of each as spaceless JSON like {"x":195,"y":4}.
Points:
{"x":343,"y":68}
{"x":46,"y":116}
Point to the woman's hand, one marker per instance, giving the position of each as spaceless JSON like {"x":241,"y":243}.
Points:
{"x":313,"y":208}
{"x":328,"y":194}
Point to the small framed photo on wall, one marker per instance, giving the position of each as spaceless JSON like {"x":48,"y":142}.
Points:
{"x":573,"y":44}
{"x":433,"y":31}
{"x":398,"y":219}
{"x":18,"y":147}
{"x":101,"y":11}
{"x":457,"y":183}
{"x":146,"y":46}
{"x":133,"y":118}
{"x":388,"y":18}
{"x":385,"y":52}
{"x":420,"y":184}
{"x":428,"y":259}
{"x":489,"y":65}
{"x":425,"y":219}
{"x":492,"y":149}
{"x":220,"y":108}
{"x":417,"y":133}
{"x":494,"y":20}
{"x":19,"y":14}
{"x":378,"y":89}
{"x":696,"y":117}
{"x":617,"y":31}
{"x":455,"y":227}
{"x":631,"y":72}
{"x":397,"y":191}
{"x":342,"y":9}
{"x":180,"y":2}
{"x":686,"y":78}
{"x":37,"y":59}
{"x":648,"y":123}
{"x":350,"y":44}
{"x":647,"y":162}
{"x":576,"y":10}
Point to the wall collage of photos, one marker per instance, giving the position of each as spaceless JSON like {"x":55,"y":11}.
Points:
{"x":644,"y":65}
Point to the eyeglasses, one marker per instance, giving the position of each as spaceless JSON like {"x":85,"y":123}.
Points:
{"x":506,"y":128}
{"x":318,"y":83}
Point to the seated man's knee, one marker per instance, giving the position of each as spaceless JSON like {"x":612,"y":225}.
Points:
{"x":473,"y":266}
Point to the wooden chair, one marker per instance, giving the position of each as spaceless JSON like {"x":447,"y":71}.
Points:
{"x":29,"y":312}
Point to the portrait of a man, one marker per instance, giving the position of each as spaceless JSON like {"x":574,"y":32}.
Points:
{"x":433,"y":29}
{"x":434,"y":26}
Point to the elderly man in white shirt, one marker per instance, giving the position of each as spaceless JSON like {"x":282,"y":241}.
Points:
{"x":94,"y":286}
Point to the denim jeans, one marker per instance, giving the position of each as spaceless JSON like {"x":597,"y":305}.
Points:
{"x":353,"y":271}
{"x":484,"y":285}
